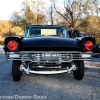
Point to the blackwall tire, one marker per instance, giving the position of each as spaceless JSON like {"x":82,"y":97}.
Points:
{"x":16,"y":73}
{"x":79,"y":72}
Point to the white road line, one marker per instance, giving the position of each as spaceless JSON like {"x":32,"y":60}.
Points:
{"x":3,"y":60}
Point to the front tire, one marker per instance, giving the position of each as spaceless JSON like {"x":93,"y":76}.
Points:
{"x":16,"y":73}
{"x":79,"y":72}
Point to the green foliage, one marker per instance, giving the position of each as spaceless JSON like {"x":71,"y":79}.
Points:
{"x":26,"y":16}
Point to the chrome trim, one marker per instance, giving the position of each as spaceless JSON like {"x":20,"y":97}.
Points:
{"x":48,"y":72}
{"x":48,"y":56}
{"x":28,"y":71}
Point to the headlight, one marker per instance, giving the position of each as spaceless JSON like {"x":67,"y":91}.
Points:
{"x":12,"y":45}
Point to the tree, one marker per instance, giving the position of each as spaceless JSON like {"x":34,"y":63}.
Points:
{"x":96,"y":8}
{"x":7,"y":29}
{"x":38,"y":7}
{"x":51,"y":10}
{"x":52,"y":17}
{"x":74,"y":10}
{"x":26,"y":16}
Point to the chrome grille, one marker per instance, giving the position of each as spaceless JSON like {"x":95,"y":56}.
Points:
{"x":49,"y":56}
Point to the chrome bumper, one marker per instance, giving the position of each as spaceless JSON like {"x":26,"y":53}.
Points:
{"x":49,"y":56}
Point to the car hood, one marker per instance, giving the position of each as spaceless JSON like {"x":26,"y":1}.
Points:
{"x":49,"y":42}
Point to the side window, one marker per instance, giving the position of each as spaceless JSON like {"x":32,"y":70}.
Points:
{"x":35,"y":33}
{"x":65,"y":33}
{"x":32,"y":33}
{"x":26,"y":32}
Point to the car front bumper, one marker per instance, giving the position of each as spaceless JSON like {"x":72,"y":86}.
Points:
{"x":49,"y":57}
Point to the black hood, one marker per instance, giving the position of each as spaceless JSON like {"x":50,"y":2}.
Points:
{"x":49,"y":44}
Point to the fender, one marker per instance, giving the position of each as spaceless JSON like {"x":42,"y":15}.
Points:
{"x":85,"y":38}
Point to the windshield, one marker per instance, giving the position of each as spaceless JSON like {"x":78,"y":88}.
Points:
{"x":39,"y":32}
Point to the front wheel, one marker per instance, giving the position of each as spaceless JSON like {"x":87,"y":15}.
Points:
{"x":16,"y":73}
{"x":79,"y":72}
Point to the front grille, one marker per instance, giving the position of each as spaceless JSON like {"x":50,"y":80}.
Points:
{"x":49,"y":57}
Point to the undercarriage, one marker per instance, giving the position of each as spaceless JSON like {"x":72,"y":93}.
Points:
{"x":48,"y":62}
{"x":28,"y":68}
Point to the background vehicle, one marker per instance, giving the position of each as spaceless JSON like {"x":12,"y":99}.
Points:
{"x":47,"y":49}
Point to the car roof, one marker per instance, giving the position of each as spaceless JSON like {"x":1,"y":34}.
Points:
{"x":56,"y":26}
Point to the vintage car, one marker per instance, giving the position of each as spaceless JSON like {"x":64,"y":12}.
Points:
{"x":48,"y":49}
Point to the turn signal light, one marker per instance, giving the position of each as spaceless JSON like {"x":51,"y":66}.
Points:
{"x":12,"y":45}
{"x":88,"y":45}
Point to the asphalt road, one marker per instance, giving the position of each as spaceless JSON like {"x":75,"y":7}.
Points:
{"x":49,"y":87}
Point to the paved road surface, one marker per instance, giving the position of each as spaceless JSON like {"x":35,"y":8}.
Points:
{"x":50,"y":87}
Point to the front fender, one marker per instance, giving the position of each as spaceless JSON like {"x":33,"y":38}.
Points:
{"x":85,"y":39}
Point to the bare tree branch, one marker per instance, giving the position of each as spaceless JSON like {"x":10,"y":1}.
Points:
{"x":65,"y":17}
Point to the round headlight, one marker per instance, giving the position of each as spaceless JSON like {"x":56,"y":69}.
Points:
{"x":12,"y":45}
{"x":88,"y":45}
